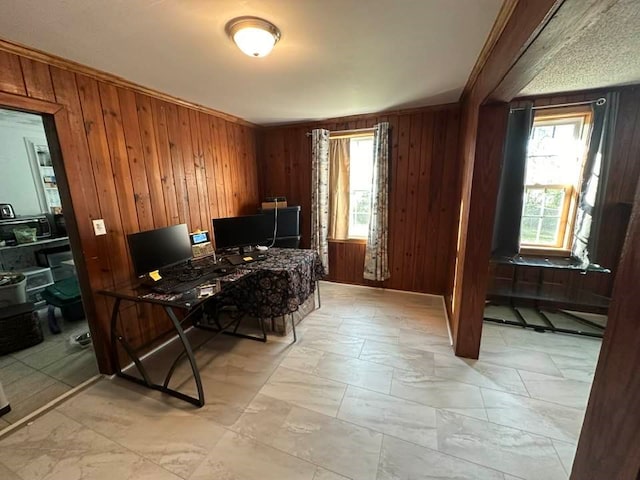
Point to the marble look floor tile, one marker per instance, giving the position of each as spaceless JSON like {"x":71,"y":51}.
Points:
{"x":369,"y":331}
{"x":331,"y":342}
{"x":52,"y":353}
{"x":423,"y":341}
{"x":479,"y":373}
{"x":352,"y":371}
{"x":508,"y":450}
{"x":333,"y":444}
{"x":6,"y":360}
{"x":479,"y":413}
{"x":579,"y":369}
{"x":508,"y":356}
{"x":305,"y":390}
{"x":400,"y":418}
{"x":74,"y":369}
{"x":55,"y":446}
{"x":323,"y":474}
{"x":21,"y":409}
{"x":240,"y":458}
{"x":27,"y":386}
{"x":571,"y":393}
{"x":535,"y":416}
{"x":553,"y":343}
{"x":6,"y":474}
{"x":174,"y":439}
{"x":398,"y":357}
{"x":339,"y":446}
{"x":3,"y":424}
{"x":401,"y":460}
{"x":435,"y":391}
{"x":566,"y":452}
{"x":14,"y":371}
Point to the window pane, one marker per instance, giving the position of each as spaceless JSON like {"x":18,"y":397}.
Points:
{"x":529,"y":230}
{"x":549,"y":230}
{"x":360,"y":178}
{"x":533,"y":202}
{"x":555,"y":154}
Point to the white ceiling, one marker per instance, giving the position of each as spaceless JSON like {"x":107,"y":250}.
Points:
{"x":335,"y":58}
{"x":603,"y":55}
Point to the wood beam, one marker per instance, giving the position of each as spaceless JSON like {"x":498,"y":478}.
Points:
{"x":568,"y":23}
{"x":609,"y":445}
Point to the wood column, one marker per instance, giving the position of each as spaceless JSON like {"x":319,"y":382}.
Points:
{"x":480,"y":205}
{"x":609,"y":445}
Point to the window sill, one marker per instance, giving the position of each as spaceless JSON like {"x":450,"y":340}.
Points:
{"x":348,"y":240}
{"x":545,"y":251}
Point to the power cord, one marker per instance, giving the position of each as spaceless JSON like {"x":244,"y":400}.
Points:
{"x":275,"y":224}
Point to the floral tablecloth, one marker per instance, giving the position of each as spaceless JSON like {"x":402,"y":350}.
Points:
{"x":279,"y":284}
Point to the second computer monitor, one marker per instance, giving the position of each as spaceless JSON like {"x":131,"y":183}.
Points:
{"x":244,"y":231}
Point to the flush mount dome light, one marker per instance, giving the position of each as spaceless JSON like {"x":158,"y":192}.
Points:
{"x":254,"y":36}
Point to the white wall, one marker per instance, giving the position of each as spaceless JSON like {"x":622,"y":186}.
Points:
{"x":17,"y":185}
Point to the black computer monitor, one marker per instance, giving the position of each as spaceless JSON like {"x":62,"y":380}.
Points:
{"x":247,"y":230}
{"x":160,"y":248}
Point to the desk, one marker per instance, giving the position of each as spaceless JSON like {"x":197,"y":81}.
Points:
{"x":276,"y":286}
{"x":537,"y":293}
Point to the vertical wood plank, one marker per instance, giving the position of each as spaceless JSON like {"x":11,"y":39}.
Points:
{"x":151,"y":160}
{"x":37,"y":79}
{"x":11,"y":79}
{"x":135,"y":154}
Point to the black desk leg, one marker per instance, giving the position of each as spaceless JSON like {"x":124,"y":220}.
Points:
{"x":293,"y":326}
{"x":318,"y":288}
{"x":146,"y":380}
{"x":189,"y":352}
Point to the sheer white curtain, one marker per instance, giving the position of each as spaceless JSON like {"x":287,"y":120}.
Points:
{"x":376,"y":261}
{"x":320,"y":194}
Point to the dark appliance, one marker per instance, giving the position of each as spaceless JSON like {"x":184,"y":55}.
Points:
{"x":39,"y":222}
{"x":6,"y":211}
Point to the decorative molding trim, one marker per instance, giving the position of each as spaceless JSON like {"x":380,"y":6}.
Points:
{"x":70,"y":65}
{"x":498,"y":27}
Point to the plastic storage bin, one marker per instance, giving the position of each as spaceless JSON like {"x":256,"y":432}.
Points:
{"x":14,"y":292}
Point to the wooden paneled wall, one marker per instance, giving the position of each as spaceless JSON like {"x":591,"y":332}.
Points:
{"x":139,"y":163}
{"x":422,"y":197}
{"x":624,"y":176}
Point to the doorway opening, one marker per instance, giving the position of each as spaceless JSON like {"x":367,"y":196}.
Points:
{"x":45,"y":345}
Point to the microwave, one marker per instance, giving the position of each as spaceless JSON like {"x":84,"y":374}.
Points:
{"x":40,"y":222}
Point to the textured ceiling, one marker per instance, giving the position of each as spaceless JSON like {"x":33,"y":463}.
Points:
{"x":335,"y":58}
{"x":604,"y":55}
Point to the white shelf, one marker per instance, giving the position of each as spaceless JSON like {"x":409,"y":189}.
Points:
{"x":35,"y":244}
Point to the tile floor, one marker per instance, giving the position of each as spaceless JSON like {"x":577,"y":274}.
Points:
{"x":370,"y":391}
{"x":33,"y":377}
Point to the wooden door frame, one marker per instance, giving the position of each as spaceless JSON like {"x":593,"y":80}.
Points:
{"x":60,"y":140}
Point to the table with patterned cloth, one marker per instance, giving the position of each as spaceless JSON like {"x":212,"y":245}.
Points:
{"x":281,"y":283}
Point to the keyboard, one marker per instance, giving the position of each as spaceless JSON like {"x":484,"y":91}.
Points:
{"x":175,"y":285}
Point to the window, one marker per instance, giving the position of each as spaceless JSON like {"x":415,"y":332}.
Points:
{"x":555,"y":159}
{"x":360,"y":177}
{"x":350,"y":177}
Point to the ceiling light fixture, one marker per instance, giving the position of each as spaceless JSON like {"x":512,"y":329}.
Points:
{"x":254,"y":36}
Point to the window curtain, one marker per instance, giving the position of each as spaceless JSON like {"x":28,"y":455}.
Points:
{"x":339,"y":159}
{"x":506,"y":228}
{"x":320,"y":194}
{"x":594,"y":180}
{"x":376,"y":263}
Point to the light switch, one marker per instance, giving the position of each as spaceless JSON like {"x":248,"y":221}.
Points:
{"x":98,"y":227}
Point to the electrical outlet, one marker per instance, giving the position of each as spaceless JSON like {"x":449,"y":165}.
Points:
{"x":98,"y":227}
